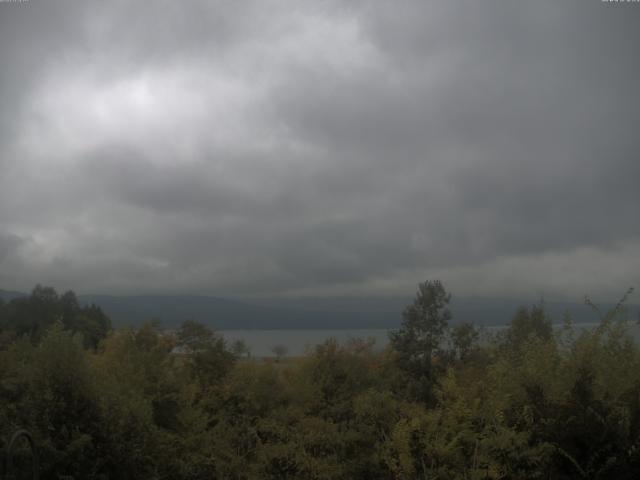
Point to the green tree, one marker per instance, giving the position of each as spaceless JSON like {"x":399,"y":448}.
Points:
{"x":419,"y":340}
{"x":145,"y":408}
{"x":65,"y":406}
{"x":240,"y":349}
{"x":280,"y":351}
{"x":32,"y":316}
{"x":527,"y":324}
{"x":464,"y":337}
{"x":206,"y":352}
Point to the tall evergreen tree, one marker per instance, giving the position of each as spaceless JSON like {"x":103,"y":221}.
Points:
{"x":418,"y":342}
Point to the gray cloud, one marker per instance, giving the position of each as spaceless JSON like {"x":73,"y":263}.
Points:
{"x":319,"y":148}
{"x":9,"y":244}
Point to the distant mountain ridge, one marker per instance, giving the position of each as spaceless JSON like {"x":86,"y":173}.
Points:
{"x":8,"y":295}
{"x":308,"y":313}
{"x":223,"y":314}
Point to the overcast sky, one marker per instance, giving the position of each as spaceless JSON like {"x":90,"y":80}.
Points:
{"x":321,"y":147}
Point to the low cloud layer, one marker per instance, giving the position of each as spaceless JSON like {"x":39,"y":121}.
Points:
{"x":320,"y":148}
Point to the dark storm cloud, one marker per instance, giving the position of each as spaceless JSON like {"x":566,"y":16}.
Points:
{"x":319,"y":147}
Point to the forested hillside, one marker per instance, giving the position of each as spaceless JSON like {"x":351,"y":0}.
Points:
{"x":440,"y":402}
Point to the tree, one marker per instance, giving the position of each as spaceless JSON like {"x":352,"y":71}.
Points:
{"x":195,"y":336}
{"x":419,"y":339}
{"x":463,"y":337}
{"x":32,"y":316}
{"x":64,"y":406}
{"x":240,"y":349}
{"x":279,"y":351}
{"x":527,"y":324}
{"x":209,"y":358}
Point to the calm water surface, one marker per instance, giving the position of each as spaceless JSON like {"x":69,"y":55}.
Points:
{"x":299,"y":342}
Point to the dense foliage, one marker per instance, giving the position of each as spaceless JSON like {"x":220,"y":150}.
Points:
{"x":33,"y":315}
{"x":440,"y":402}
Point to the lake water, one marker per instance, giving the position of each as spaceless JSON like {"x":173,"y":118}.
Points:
{"x":298,"y":342}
